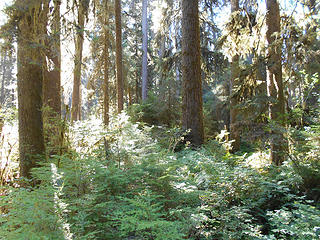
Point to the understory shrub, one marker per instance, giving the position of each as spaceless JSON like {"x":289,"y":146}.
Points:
{"x":125,"y":183}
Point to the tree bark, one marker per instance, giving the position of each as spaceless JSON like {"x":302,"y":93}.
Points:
{"x":31,"y":141}
{"x":274,"y":83}
{"x":52,"y":82}
{"x":4,"y":60}
{"x":76,"y":95}
{"x":192,"y":113}
{"x":119,"y":55}
{"x":106,"y":67}
{"x":145,"y":49}
{"x":234,"y":84}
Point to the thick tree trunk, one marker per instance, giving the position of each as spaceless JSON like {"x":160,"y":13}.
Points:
{"x":145,"y":49}
{"x":192,"y":113}
{"x":274,"y":82}
{"x":76,"y":95}
{"x":31,"y":142}
{"x":106,"y":68}
{"x":119,"y":54}
{"x":234,"y":84}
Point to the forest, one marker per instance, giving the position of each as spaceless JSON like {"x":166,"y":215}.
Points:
{"x":159,"y":119}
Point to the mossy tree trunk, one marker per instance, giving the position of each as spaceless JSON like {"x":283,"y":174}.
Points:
{"x":192,"y":113}
{"x":30,"y":75}
{"x":274,"y":83}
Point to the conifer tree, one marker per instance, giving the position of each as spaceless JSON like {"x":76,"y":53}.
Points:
{"x":274,"y":82}
{"x":192,"y":113}
{"x":30,"y":72}
{"x":82,"y":7}
{"x":119,"y":54}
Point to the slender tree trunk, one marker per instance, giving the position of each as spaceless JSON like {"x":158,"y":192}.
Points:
{"x":130,"y":96}
{"x":106,"y":66}
{"x":192,"y":113}
{"x":163,"y":72}
{"x":234,"y":84}
{"x":137,"y":77}
{"x":138,"y":91}
{"x":274,"y":82}
{"x":4,"y":60}
{"x":177,"y":71}
{"x":119,"y":54}
{"x":145,"y":49}
{"x":31,"y":141}
{"x":76,"y":95}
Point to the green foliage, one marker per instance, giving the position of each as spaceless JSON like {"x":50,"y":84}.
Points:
{"x":305,"y":159}
{"x":143,"y":218}
{"x":125,"y":182}
{"x":32,"y":213}
{"x":155,"y":112}
{"x":299,"y":221}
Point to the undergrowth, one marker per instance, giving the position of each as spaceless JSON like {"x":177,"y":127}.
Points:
{"x":126,"y":182}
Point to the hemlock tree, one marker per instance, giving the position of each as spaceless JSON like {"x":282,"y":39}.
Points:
{"x":274,"y":82}
{"x":192,"y":113}
{"x":30,"y":72}
{"x":117,"y":8}
{"x":145,"y":49}
{"x":234,"y":84}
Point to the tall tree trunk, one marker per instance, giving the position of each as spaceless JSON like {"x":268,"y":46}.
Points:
{"x":274,"y":82}
{"x":76,"y":96}
{"x":119,"y":54}
{"x":177,"y":70}
{"x":234,"y":84}
{"x":106,"y":66}
{"x":31,"y":142}
{"x":4,"y":60}
{"x":137,"y":77}
{"x":52,"y":82}
{"x":145,"y":49}
{"x":192,"y":113}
